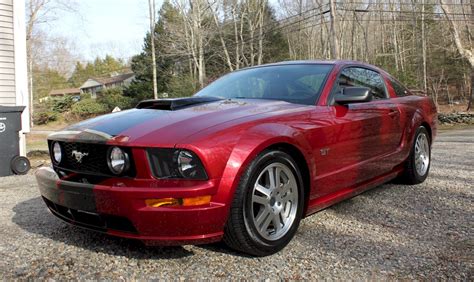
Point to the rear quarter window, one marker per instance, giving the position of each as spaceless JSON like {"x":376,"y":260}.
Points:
{"x":400,"y":90}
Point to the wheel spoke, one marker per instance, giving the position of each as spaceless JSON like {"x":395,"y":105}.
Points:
{"x":266,"y":223}
{"x":288,"y":195}
{"x":262,"y":215}
{"x":260,"y":200}
{"x":277,"y":222}
{"x":262,"y":189}
{"x":284,"y":190}
{"x":272,"y":178}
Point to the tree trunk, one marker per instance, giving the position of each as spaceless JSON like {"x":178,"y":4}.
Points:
{"x":423,"y":44}
{"x":221,"y":38}
{"x":334,"y":41}
{"x":151,"y":4}
{"x":471,"y":98}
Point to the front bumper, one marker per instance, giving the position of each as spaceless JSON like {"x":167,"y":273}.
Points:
{"x":118,"y":208}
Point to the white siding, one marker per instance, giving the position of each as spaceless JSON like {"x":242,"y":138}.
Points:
{"x":7,"y":54}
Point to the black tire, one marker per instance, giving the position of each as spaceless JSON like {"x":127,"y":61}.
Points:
{"x":20,"y":165}
{"x":410,"y":175}
{"x":240,"y":232}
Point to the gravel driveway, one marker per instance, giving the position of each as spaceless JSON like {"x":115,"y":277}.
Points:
{"x":393,"y":231}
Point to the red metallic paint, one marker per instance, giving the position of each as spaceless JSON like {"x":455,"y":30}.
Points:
{"x":367,"y":144}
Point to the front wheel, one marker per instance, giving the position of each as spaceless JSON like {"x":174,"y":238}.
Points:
{"x":267,"y":206}
{"x":418,"y":163}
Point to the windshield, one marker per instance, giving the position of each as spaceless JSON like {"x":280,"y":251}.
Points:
{"x":299,"y":84}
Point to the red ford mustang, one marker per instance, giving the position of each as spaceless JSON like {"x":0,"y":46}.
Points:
{"x":244,"y":160}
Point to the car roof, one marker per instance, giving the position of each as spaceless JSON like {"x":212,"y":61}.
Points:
{"x":317,"y":62}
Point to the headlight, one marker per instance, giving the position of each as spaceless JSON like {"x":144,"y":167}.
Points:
{"x":57,"y":153}
{"x":117,"y":160}
{"x":176,"y":163}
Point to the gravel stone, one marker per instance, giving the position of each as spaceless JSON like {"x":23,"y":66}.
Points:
{"x":391,"y":232}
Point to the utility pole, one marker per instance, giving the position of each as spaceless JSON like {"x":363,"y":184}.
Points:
{"x":423,"y":45}
{"x":151,"y":4}
{"x":30,"y":68}
{"x":469,"y":105}
{"x":334,"y":43}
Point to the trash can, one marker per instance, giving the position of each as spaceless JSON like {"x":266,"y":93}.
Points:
{"x":10,"y":126}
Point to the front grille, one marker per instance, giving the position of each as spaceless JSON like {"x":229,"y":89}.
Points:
{"x":95,"y":221}
{"x":93,"y":161}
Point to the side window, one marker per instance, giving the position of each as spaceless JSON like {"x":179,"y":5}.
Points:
{"x":355,"y":76}
{"x":400,"y":90}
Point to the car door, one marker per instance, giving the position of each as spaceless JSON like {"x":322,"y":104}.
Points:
{"x":364,"y":133}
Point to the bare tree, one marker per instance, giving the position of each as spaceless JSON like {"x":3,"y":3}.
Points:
{"x":465,"y":52}
{"x":334,"y":41}
{"x":151,"y":8}
{"x":40,"y":12}
{"x":220,"y":30}
{"x":197,"y":33}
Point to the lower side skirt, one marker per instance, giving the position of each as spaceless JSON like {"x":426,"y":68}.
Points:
{"x":323,"y":202}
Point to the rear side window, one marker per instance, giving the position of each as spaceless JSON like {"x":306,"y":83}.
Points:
{"x":399,"y":89}
{"x":356,"y":76}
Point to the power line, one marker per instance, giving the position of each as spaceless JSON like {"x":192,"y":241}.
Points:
{"x":401,"y":3}
{"x":402,"y":12}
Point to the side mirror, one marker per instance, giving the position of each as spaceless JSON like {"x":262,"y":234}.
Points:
{"x":353,"y":95}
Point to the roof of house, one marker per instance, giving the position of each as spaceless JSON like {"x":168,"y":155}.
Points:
{"x":114,"y":79}
{"x":66,"y":91}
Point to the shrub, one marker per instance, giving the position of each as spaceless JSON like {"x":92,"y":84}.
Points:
{"x":113,"y":98}
{"x":89,"y":107}
{"x":63,"y":104}
{"x":41,"y":118}
{"x":86,"y":96}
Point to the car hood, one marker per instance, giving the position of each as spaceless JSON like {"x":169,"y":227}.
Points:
{"x":156,"y":127}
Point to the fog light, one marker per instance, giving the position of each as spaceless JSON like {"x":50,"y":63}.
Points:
{"x":156,"y":203}
{"x":169,"y":202}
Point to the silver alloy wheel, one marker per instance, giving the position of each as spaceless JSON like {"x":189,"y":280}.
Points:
{"x":422,"y":154}
{"x":274,"y":201}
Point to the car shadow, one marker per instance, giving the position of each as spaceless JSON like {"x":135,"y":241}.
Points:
{"x":33,"y":217}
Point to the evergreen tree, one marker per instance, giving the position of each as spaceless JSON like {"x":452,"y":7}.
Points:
{"x":99,"y":68}
{"x":142,"y":88}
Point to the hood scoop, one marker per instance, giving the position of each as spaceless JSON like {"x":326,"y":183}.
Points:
{"x":175,"y":104}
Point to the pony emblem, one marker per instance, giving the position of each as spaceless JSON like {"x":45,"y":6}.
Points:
{"x":79,"y":155}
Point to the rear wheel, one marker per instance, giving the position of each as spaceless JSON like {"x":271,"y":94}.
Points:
{"x":418,"y":163}
{"x":267,"y":206}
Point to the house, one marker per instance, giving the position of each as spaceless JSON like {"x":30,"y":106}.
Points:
{"x":13,"y":65}
{"x":65,"y":92}
{"x":95,"y":85}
